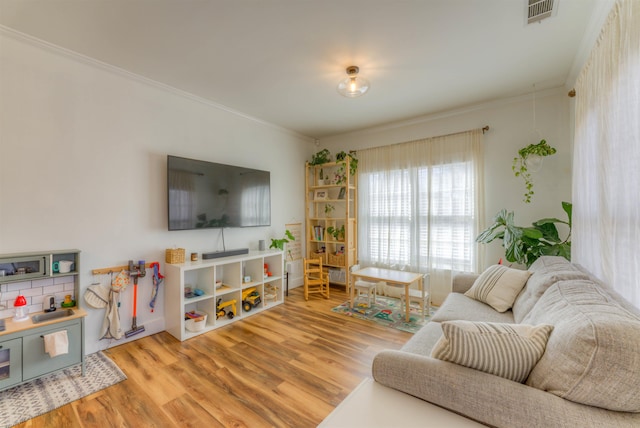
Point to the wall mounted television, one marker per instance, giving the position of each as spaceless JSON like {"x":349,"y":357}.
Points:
{"x":203,"y":194}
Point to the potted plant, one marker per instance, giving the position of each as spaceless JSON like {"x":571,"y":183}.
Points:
{"x":520,"y":166}
{"x":336,"y":232}
{"x":328,"y":209}
{"x":525,"y":244}
{"x":321,"y":178}
{"x":323,"y":156}
{"x":280,"y":243}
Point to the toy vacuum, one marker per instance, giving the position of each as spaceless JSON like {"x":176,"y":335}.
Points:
{"x":136,"y":272}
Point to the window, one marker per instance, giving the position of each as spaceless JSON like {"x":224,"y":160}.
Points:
{"x":418,"y":204}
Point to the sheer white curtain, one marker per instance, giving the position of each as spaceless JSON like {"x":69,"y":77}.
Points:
{"x":420,"y":205}
{"x":606,"y":171}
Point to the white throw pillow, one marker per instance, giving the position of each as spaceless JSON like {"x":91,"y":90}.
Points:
{"x":506,"y":350}
{"x":498,"y":287}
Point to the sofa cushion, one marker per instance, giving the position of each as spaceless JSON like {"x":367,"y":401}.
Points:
{"x":593,"y":354}
{"x":422,"y":341}
{"x":545,"y":272}
{"x":498,"y":286}
{"x":460,"y":307}
{"x":505,"y":350}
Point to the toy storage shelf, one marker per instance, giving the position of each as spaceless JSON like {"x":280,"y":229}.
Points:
{"x":236,"y":276}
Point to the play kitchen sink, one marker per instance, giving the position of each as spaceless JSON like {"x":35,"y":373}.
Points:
{"x":48,"y":316}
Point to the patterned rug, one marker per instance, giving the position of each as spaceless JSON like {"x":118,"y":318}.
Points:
{"x":49,"y":392}
{"x":386,"y":311}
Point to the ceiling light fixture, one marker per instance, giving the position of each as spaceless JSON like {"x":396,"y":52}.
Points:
{"x":353,"y":86}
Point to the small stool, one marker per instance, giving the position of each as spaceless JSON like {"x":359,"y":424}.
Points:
{"x":368,"y":288}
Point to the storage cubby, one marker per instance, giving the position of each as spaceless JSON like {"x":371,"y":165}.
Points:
{"x":222,"y":280}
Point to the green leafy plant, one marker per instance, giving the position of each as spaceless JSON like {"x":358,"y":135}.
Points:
{"x":525,"y":244}
{"x":323,"y":156}
{"x":279,"y":243}
{"x":328,"y":209}
{"x":336,"y":232}
{"x":353,"y":162}
{"x":519,"y":166}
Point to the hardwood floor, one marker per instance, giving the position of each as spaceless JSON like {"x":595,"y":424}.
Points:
{"x":289,"y":366}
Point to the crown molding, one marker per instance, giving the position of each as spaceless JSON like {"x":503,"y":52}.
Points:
{"x":84,"y":59}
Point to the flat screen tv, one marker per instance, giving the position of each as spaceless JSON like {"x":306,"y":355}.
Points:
{"x":204,"y":194}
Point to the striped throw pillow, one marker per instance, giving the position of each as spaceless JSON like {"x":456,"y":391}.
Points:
{"x":507,"y":350}
{"x":498,"y":286}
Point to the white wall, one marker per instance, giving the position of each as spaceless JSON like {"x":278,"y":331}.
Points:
{"x":83,"y":165}
{"x":511,"y":126}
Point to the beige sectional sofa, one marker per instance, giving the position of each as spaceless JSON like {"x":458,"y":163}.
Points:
{"x":588,"y":374}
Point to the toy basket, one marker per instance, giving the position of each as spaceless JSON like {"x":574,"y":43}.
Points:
{"x":196,"y":322}
{"x":175,"y":255}
{"x":322,"y":256}
{"x":336,"y":259}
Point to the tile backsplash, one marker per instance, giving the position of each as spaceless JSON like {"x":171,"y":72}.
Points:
{"x":34,"y":291}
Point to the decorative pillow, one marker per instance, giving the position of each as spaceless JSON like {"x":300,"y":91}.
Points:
{"x":498,"y":286}
{"x":507,"y":350}
{"x":593,"y":356}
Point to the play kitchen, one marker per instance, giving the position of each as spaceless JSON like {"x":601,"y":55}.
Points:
{"x":37,"y":266}
{"x":41,"y":327}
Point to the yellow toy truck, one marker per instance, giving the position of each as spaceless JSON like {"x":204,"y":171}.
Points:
{"x":250,"y":298}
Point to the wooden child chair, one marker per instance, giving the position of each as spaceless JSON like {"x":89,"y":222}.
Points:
{"x":316,"y":280}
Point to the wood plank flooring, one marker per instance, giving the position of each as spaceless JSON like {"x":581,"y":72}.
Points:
{"x":289,"y":366}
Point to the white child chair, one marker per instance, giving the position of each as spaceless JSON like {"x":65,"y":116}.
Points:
{"x":420,"y":296}
{"x":365,"y":288}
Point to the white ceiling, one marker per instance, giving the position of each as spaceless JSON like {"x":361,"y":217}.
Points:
{"x":280,"y":60}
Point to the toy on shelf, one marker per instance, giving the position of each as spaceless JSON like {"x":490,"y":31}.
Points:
{"x":220,"y":308}
{"x":266,"y":271}
{"x":250,"y":298}
{"x":270,"y":292}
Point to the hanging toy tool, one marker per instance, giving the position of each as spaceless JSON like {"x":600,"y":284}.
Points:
{"x":136,"y":272}
{"x":157,"y":280}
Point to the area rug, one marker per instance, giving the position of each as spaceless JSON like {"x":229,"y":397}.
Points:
{"x":386,"y":311}
{"x":49,"y":392}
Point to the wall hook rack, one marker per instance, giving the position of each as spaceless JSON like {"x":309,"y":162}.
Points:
{"x":116,"y":269}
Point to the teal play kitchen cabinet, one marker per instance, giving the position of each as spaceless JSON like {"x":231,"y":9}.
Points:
{"x":22,"y":354}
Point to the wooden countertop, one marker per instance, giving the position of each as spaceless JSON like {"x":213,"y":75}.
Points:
{"x":12,"y":326}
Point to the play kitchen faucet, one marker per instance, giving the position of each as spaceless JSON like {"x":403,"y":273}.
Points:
{"x":136,"y":271}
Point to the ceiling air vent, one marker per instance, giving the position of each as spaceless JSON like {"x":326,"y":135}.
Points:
{"x":537,"y":10}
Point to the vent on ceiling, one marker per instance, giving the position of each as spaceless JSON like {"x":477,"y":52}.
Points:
{"x":537,"y":10}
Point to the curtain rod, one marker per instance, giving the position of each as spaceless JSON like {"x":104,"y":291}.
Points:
{"x":484,"y":129}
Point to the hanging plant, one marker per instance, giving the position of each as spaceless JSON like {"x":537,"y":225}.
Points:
{"x":520,"y":168}
{"x":353,"y":162}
